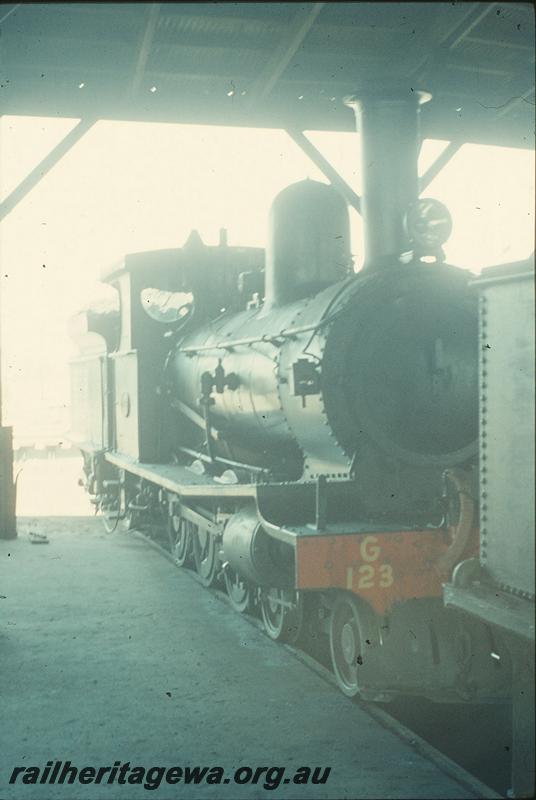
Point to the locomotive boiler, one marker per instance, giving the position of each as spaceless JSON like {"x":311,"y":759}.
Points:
{"x":303,"y":432}
{"x":371,"y":379}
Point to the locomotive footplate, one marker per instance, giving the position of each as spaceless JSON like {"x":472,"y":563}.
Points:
{"x":180,"y":479}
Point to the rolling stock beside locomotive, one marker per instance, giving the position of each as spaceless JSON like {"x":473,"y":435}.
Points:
{"x":497,"y":585}
{"x":307,"y":433}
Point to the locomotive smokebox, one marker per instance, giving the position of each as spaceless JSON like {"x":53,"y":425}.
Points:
{"x":308,"y":242}
{"x":388,"y":123}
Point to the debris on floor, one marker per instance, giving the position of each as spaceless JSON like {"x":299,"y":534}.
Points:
{"x":38,"y":538}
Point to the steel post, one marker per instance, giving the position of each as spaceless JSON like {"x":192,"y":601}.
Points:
{"x":388,"y":124}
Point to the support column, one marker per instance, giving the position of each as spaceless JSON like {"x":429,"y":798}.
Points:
{"x":523,"y":745}
{"x":8,"y":528}
{"x":390,"y":141}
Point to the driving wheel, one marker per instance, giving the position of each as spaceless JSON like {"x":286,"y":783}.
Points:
{"x":351,"y":639}
{"x":238,"y":590}
{"x":282,"y":614}
{"x":205,"y":555}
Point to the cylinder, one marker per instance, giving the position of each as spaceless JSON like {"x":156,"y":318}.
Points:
{"x":308,"y":242}
{"x":255,"y":555}
{"x":390,"y":141}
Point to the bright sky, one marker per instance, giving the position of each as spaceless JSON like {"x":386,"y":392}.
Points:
{"x":127,"y":187}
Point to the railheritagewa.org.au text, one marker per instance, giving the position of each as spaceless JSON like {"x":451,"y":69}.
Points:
{"x":151,"y":778}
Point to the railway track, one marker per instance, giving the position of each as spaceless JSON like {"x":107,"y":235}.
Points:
{"x":471,"y":744}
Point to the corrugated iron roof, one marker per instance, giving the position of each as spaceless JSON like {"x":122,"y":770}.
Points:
{"x":272,"y":64}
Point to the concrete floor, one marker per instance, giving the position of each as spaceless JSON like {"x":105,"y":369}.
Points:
{"x":108,"y":652}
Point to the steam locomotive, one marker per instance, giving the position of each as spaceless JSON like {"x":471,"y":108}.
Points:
{"x":305,"y":433}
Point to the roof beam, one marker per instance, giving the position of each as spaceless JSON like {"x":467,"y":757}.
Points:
{"x":479,"y":70}
{"x":474,"y":20}
{"x":145,"y":47}
{"x":44,"y":167}
{"x":516,"y":101}
{"x":439,"y":45}
{"x":500,"y":43}
{"x":325,"y":167}
{"x":9,"y":13}
{"x":287,"y":49}
{"x":441,"y":161}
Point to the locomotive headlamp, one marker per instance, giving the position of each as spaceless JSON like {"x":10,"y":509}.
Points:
{"x":428,"y":224}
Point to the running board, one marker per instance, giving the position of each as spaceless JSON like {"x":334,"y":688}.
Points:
{"x":181,"y":480}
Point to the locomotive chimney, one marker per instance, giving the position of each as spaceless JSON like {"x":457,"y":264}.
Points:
{"x":388,"y":122}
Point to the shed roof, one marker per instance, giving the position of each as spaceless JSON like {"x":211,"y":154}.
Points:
{"x":272,"y":64}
